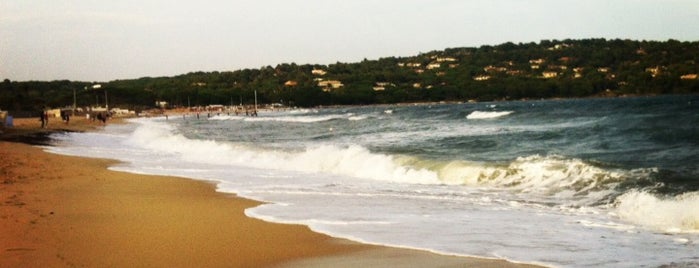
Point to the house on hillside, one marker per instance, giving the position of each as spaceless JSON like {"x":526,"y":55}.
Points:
{"x":318,"y":72}
{"x":550,"y":74}
{"x":381,"y":86}
{"x":414,"y":65}
{"x":329,"y":85}
{"x":445,"y":59}
{"x":494,"y":69}
{"x":434,"y":65}
{"x":537,"y":61}
{"x":481,"y":77}
{"x":654,"y":71}
{"x":689,"y":77}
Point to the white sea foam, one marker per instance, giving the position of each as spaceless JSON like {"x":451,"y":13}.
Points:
{"x":675,"y":214}
{"x":487,"y":115}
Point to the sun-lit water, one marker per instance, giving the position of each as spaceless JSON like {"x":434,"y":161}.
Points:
{"x":568,"y":183}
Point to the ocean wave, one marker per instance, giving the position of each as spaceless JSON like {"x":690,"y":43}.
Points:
{"x":547,"y":176}
{"x":542,"y":175}
{"x":295,"y":119}
{"x":487,"y":115}
{"x":357,"y":161}
{"x":673,"y":214}
{"x":353,"y":161}
{"x":357,"y":117}
{"x":226,"y":117}
{"x":303,"y":111}
{"x":287,"y":119}
{"x":291,"y":119}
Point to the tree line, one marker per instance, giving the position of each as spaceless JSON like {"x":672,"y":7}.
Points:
{"x":509,"y":71}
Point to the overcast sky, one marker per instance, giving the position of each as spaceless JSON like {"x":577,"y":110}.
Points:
{"x":97,"y":40}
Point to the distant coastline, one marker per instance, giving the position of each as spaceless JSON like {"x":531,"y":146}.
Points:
{"x":550,"y":69}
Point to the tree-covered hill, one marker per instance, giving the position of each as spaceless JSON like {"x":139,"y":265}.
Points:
{"x":548,"y":69}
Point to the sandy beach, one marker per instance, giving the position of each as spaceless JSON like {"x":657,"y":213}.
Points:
{"x":64,"y":211}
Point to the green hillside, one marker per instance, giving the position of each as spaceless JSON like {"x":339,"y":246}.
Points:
{"x":548,"y":69}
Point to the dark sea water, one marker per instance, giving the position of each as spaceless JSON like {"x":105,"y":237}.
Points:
{"x":570,"y":183}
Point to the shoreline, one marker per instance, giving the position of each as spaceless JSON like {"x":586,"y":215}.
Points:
{"x":72,"y":211}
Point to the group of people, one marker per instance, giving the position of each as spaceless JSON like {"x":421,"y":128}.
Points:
{"x":44,"y":118}
{"x":208,"y":114}
{"x":65,"y":116}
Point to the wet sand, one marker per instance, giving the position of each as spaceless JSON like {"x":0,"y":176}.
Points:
{"x":64,"y":211}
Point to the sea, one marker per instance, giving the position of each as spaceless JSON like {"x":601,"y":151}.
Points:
{"x":609,"y":182}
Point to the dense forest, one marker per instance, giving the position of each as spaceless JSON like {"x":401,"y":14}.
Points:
{"x":509,"y":71}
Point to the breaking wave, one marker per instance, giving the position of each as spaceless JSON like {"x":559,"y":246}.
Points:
{"x":569,"y":182}
{"x":487,"y":115}
{"x":671,"y":214}
{"x":289,"y":119}
{"x":548,"y":175}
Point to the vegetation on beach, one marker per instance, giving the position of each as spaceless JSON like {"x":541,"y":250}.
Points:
{"x":548,"y":69}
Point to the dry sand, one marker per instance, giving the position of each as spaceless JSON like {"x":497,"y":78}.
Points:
{"x":63,"y":211}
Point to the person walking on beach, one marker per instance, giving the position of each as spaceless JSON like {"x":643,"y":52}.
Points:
{"x":65,"y":116}
{"x":43,"y":119}
{"x":102,"y":117}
